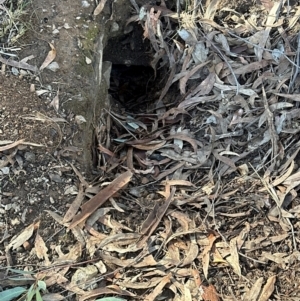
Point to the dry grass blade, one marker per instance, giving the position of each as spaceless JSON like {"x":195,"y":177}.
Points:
{"x":191,"y":102}
{"x":89,"y":207}
{"x":191,"y":254}
{"x":99,"y":7}
{"x":233,"y":259}
{"x":75,"y":205}
{"x":273,"y":15}
{"x":124,"y":238}
{"x":206,"y":254}
{"x":21,"y":65}
{"x":12,"y":145}
{"x":211,"y":9}
{"x":254,"y":292}
{"x":110,"y":289}
{"x":272,"y":130}
{"x":267,"y":289}
{"x":79,"y":175}
{"x":295,"y":97}
{"x":183,"y":80}
{"x":154,"y":218}
{"x":283,"y":177}
{"x":169,"y":81}
{"x":165,"y":280}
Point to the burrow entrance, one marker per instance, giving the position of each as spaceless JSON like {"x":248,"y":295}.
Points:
{"x":132,"y":79}
{"x":131,"y":87}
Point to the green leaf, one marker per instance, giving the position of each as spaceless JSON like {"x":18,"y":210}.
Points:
{"x":12,"y":293}
{"x":120,"y":140}
{"x":20,"y":279}
{"x":111,"y":299}
{"x":42,"y":285}
{"x":20,"y":272}
{"x":30,"y":293}
{"x":133,"y":125}
{"x":38,"y":296}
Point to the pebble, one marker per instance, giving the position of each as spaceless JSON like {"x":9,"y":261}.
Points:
{"x":7,"y":207}
{"x":55,"y":178}
{"x":4,"y":170}
{"x":30,"y":157}
{"x":15,"y":221}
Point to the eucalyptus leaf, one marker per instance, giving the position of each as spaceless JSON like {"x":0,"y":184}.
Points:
{"x":133,"y":125}
{"x":120,"y":140}
{"x":38,"y":296}
{"x":20,"y":271}
{"x":21,"y":278}
{"x":30,"y":293}
{"x":111,"y":299}
{"x":42,"y":285}
{"x":12,"y":293}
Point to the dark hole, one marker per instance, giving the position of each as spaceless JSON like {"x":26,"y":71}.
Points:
{"x":131,"y":86}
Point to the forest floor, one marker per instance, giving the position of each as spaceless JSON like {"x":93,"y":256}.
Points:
{"x":192,"y":188}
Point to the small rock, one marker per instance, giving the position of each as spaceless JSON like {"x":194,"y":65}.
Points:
{"x":30,"y":157}
{"x":15,"y":221}
{"x":85,"y":3}
{"x":135,"y":192}
{"x":14,"y":71}
{"x":101,"y":266}
{"x":23,"y":72}
{"x":79,"y":119}
{"x":55,"y":178}
{"x":32,"y":88}
{"x":5,"y":201}
{"x":4,"y":170}
{"x":7,"y":207}
{"x":52,"y":132}
{"x":32,"y":200}
{"x":115,"y":27}
{"x":19,"y":160}
{"x":53,"y":66}
{"x":71,"y":190}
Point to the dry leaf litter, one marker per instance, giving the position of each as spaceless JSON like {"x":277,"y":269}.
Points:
{"x":196,"y":197}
